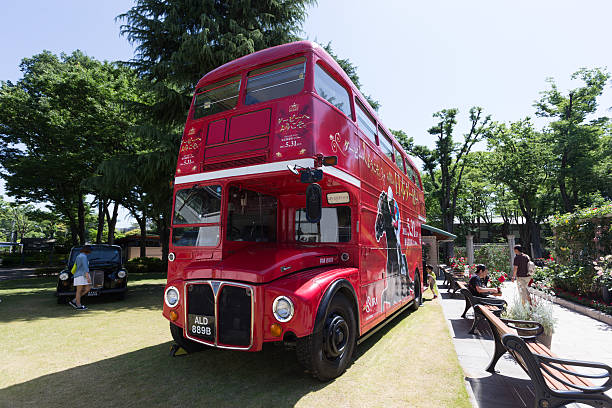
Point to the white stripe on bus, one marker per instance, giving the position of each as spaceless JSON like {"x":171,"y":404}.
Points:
{"x":266,"y":168}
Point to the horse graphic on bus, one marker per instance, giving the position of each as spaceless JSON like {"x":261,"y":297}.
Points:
{"x":388,"y":223}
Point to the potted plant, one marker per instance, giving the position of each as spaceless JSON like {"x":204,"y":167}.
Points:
{"x":540,"y":311}
{"x":497,"y":278}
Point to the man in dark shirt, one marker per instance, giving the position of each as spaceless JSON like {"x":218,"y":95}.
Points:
{"x":478,"y":288}
{"x":520,"y":272}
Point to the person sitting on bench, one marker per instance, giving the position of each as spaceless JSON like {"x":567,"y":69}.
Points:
{"x":478,"y":288}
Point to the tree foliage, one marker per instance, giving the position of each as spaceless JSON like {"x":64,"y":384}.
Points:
{"x":450,"y":158}
{"x":574,"y":138}
{"x":522,"y":160}
{"x":56,"y":123}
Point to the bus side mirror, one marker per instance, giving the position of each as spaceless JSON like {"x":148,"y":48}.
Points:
{"x":314,"y":202}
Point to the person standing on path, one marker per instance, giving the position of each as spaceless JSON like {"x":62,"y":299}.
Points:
{"x":520,"y":273}
{"x":82,"y":281}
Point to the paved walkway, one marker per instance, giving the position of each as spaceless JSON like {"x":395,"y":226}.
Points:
{"x":576,"y":337}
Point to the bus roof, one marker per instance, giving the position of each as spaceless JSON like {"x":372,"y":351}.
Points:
{"x":267,"y":55}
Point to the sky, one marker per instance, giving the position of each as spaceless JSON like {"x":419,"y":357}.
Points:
{"x":414,"y":57}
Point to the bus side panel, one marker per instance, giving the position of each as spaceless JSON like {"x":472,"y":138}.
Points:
{"x":292,"y":129}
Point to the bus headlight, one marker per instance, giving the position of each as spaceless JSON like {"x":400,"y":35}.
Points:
{"x":171,"y":297}
{"x":63,"y":276}
{"x":121,"y":274}
{"x":283,"y":309}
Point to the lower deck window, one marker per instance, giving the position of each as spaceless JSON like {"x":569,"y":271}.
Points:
{"x":334,"y":226}
{"x":251,"y":216}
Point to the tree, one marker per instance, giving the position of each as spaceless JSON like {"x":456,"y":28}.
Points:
{"x":575,"y":139}
{"x":177,"y":42}
{"x":449,"y":158}
{"x":521,"y":159}
{"x":56,"y":123}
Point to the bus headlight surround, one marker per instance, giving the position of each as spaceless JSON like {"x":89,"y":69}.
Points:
{"x":283,"y":309}
{"x":121,"y":274}
{"x":63,"y":276}
{"x":171,"y":257}
{"x":171,"y":297}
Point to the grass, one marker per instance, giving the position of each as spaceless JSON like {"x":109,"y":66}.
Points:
{"x":117,"y":353}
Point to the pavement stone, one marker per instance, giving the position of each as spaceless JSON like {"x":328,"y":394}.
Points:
{"x":576,"y":336}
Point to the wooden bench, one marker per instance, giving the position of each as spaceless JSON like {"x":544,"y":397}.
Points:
{"x":470,"y":301}
{"x":555,"y":383}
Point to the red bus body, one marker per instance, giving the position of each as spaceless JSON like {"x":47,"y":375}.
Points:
{"x":241,"y":156}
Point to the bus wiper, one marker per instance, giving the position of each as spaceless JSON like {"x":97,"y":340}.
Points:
{"x":192,"y":191}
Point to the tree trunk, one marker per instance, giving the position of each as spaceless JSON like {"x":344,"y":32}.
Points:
{"x":112,"y":222}
{"x":142,"y":222}
{"x":565,"y":199}
{"x":449,"y":227}
{"x":101,"y":210}
{"x":534,"y":231}
{"x":81,"y":220}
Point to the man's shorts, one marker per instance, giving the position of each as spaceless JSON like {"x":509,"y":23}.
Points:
{"x":80,"y":281}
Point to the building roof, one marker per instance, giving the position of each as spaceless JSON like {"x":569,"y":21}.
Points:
{"x":441,"y":235}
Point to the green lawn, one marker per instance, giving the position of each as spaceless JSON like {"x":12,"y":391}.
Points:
{"x":117,"y":354}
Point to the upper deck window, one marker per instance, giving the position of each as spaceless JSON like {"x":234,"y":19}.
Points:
{"x":365,"y":122}
{"x":275,"y":81}
{"x":386,"y":145}
{"x":399,"y":160}
{"x":411,"y":174}
{"x":332,"y":91}
{"x":217,"y":97}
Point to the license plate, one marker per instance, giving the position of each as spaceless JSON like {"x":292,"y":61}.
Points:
{"x":202,"y":326}
{"x":93,"y":293}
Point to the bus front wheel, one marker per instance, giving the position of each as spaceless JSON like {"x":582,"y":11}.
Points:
{"x":327,"y":354}
{"x":189,"y":345}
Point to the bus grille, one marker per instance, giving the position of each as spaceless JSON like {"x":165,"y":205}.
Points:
{"x":249,"y":161}
{"x":231,"y":310}
{"x":234,"y":304}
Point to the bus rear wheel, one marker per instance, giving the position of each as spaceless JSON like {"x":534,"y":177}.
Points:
{"x":189,"y":345}
{"x":418,"y":293}
{"x":327,"y":354}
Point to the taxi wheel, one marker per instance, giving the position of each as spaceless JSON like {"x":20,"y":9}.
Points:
{"x":188,"y":345}
{"x":326,"y":355}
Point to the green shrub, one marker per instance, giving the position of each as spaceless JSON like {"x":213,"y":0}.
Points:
{"x":575,"y":277}
{"x":145,"y":265}
{"x":495,"y":257}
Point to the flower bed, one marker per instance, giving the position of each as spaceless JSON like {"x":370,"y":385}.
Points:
{"x":574,"y":297}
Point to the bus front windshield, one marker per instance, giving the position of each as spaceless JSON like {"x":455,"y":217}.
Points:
{"x":251,"y":216}
{"x":197,"y":205}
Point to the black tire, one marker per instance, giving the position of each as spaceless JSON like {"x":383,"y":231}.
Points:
{"x":189,"y":345}
{"x":418,"y":293}
{"x":327,"y":355}
{"x":120,"y":296}
{"x":62,"y":300}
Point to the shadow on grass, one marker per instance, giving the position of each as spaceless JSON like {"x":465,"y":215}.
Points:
{"x":33,"y":299}
{"x":213,"y":378}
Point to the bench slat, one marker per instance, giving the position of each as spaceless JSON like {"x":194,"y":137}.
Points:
{"x":538,"y":348}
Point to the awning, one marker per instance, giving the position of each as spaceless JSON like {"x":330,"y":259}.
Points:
{"x":440,"y":235}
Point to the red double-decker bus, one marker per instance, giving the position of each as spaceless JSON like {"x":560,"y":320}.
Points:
{"x":297,"y":216}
